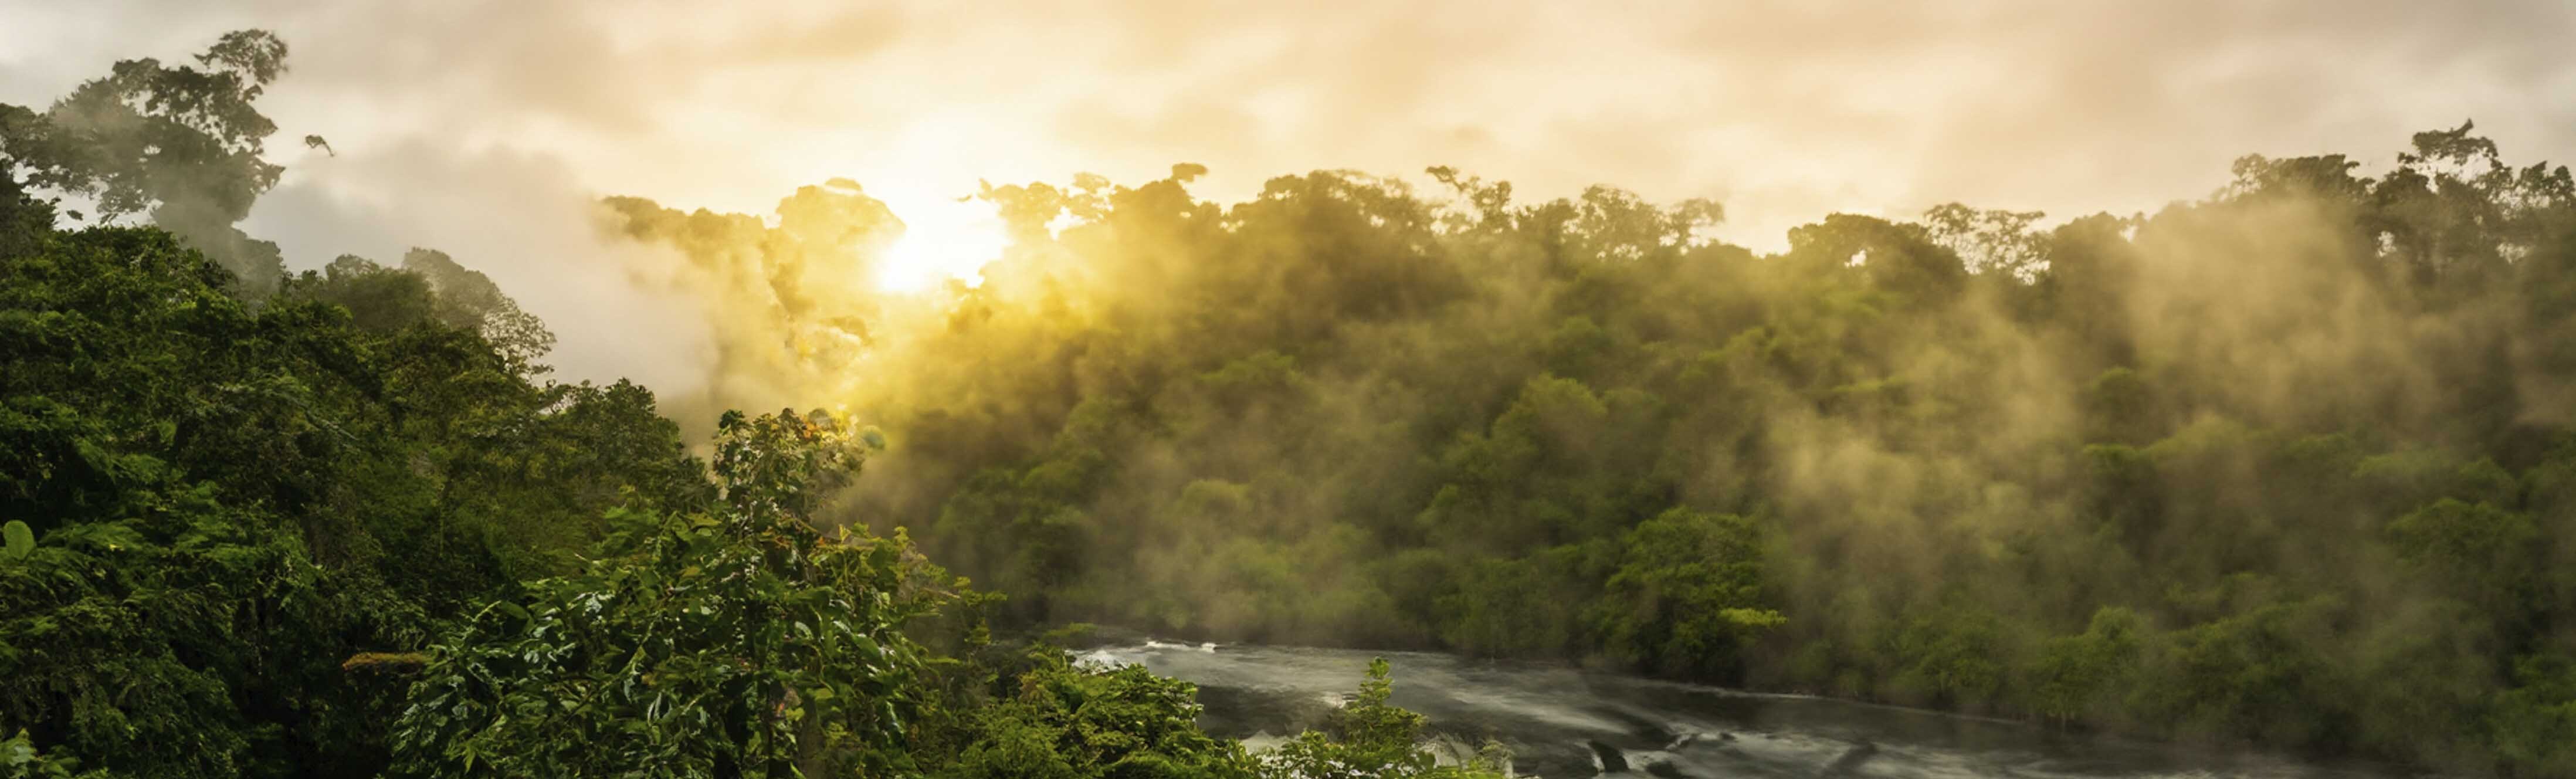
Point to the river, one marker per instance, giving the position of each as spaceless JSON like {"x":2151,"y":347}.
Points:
{"x":1562,"y":723}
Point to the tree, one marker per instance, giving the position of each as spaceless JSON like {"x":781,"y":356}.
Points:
{"x":1687,"y":596}
{"x":1066,"y":722}
{"x":168,"y":609}
{"x":739,"y":642}
{"x":182,"y":143}
{"x":1370,"y":739}
{"x":468,"y":300}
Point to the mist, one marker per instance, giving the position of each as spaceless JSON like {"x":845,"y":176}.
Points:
{"x":1783,"y":111}
{"x":2194,"y":373}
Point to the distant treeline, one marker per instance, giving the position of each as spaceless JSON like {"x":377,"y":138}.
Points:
{"x":2293,"y":464}
{"x":2290,"y":464}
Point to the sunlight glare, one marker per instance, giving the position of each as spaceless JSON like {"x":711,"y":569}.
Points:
{"x":942,"y":239}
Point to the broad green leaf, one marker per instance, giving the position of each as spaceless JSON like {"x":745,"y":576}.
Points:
{"x":20,"y":539}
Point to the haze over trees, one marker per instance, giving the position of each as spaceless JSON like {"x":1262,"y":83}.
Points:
{"x":2278,"y":465}
{"x":337,"y":524}
{"x":2291,"y":464}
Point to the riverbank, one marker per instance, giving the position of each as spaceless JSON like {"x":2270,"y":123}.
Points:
{"x":1565,"y":722}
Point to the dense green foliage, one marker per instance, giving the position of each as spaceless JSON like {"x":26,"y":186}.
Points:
{"x":336,"y":524}
{"x":704,"y":645}
{"x":2286,"y":465}
{"x":222,"y":503}
{"x":2293,"y":464}
{"x":226,"y":502}
{"x":1066,"y":723}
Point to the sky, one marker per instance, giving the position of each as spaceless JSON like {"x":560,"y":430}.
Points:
{"x":482,"y":127}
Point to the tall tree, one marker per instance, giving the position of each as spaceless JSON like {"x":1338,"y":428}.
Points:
{"x":180,"y":143}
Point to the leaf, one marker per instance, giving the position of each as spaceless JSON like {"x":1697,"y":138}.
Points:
{"x":20,"y":539}
{"x":512,"y":609}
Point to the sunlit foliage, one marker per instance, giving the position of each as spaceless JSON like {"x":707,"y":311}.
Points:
{"x":2284,"y":464}
{"x":2293,"y":464}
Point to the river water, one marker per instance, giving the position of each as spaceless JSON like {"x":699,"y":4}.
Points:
{"x":1562,"y":723}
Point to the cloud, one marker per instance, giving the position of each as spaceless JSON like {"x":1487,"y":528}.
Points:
{"x":1785,"y":110}
{"x":515,"y":217}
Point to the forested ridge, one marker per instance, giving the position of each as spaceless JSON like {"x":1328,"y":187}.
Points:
{"x":2292,"y":464}
{"x":339,"y":524}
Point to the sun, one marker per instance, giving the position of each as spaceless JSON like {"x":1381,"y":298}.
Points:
{"x":943,"y":238}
